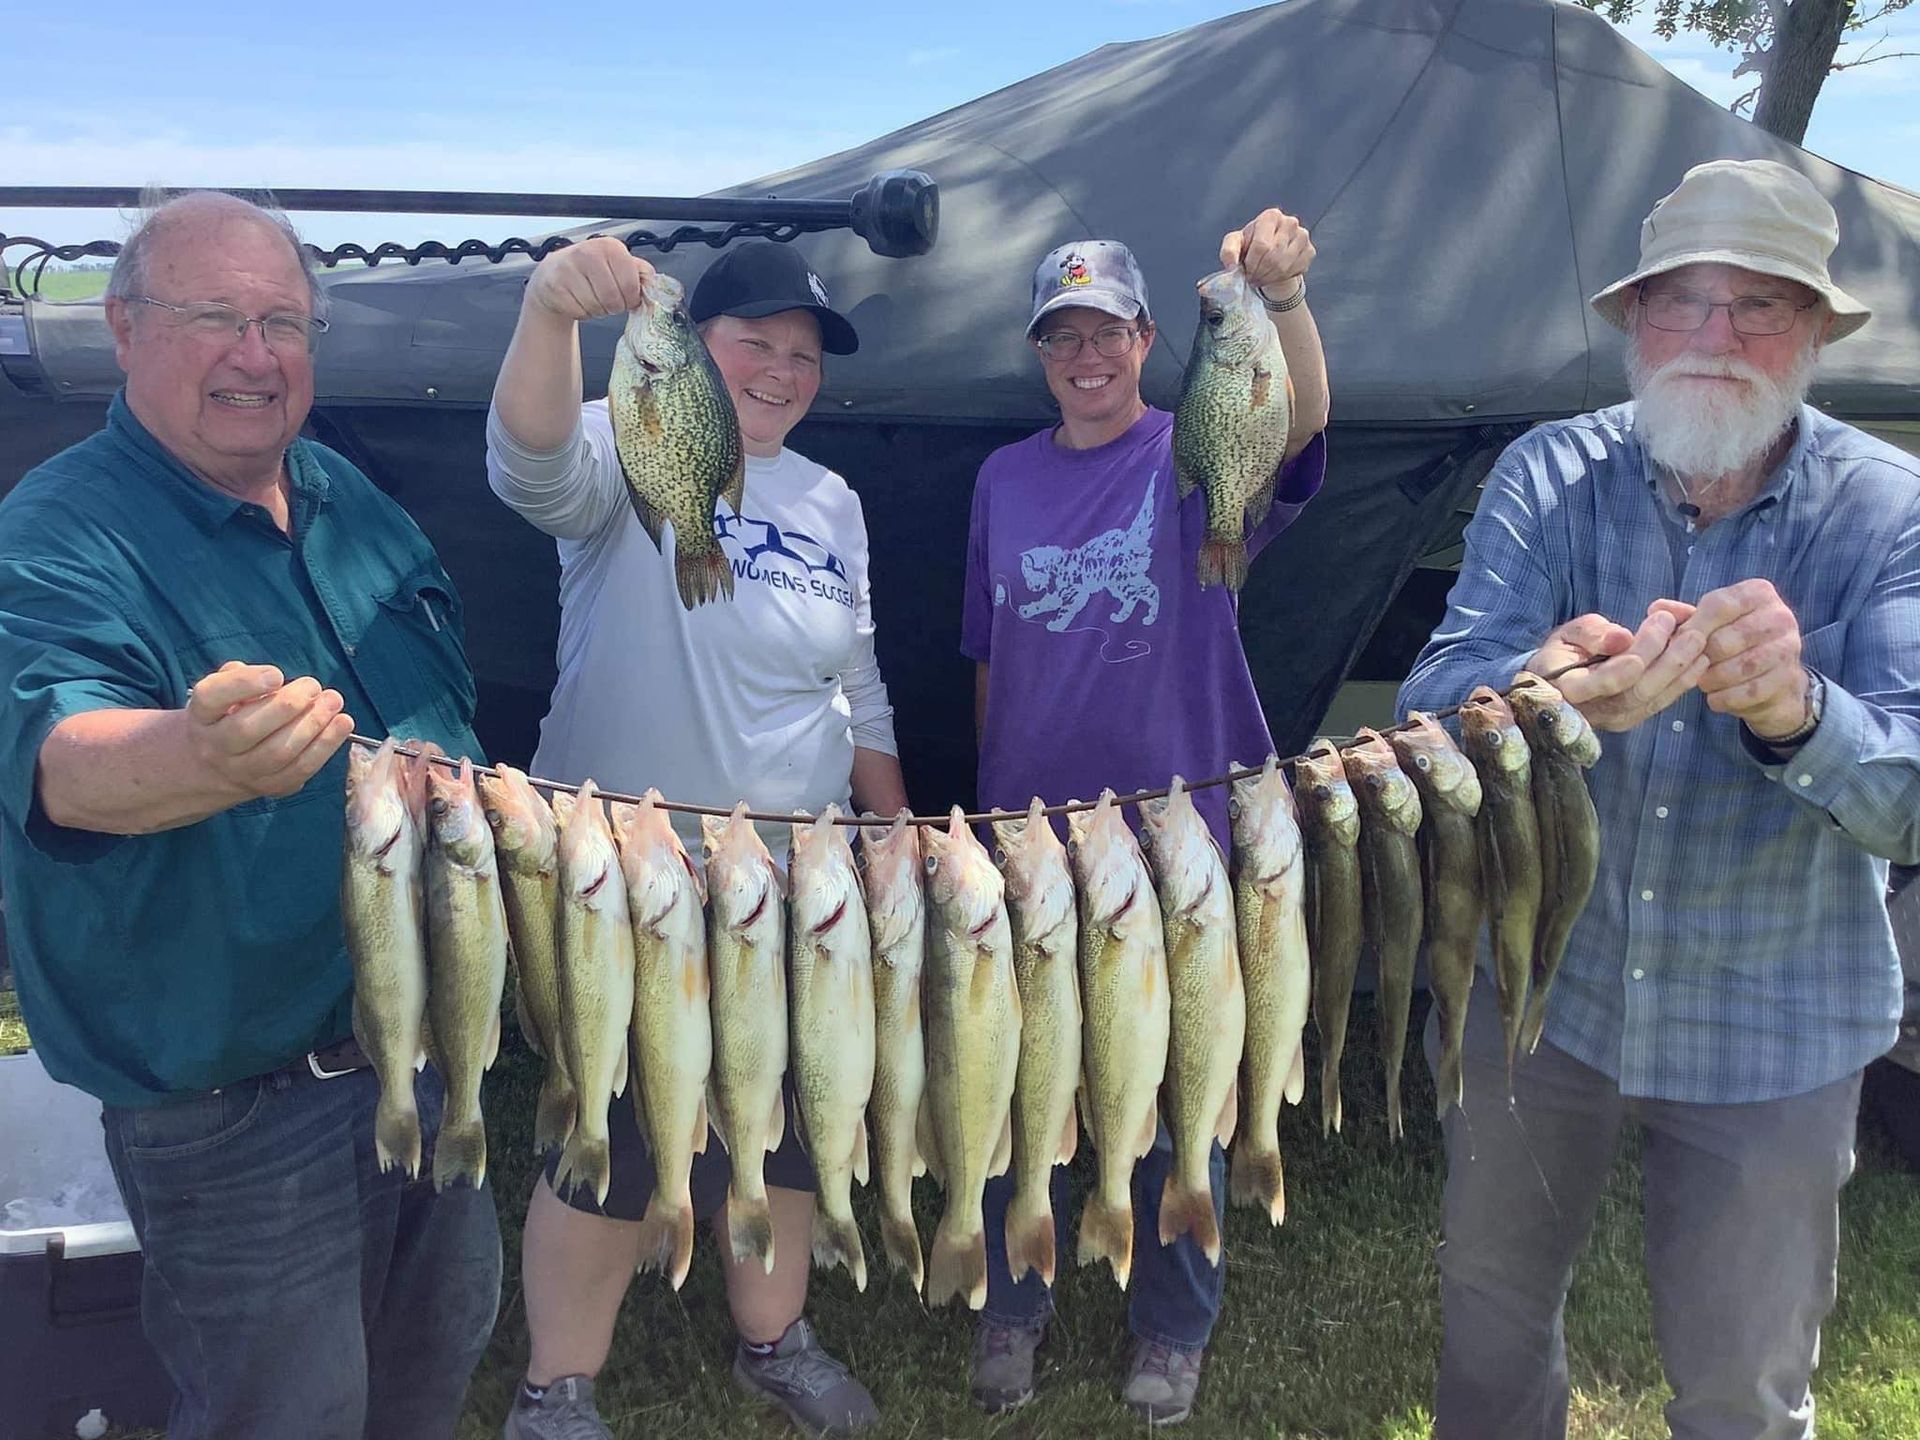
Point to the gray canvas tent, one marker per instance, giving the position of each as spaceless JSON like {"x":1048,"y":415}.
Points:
{"x":1470,"y":169}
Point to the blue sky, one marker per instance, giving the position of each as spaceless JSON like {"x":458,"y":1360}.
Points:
{"x":595,"y":96}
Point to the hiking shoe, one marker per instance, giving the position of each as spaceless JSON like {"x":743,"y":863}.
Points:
{"x":565,"y":1412}
{"x":818,"y":1393}
{"x":1003,"y":1365}
{"x":1161,"y":1382}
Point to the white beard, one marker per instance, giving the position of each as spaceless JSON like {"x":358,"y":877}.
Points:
{"x":1702,"y":432}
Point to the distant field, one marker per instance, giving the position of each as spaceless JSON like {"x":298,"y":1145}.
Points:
{"x":65,"y":284}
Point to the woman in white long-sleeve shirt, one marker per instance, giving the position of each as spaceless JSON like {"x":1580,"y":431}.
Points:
{"x":775,"y":698}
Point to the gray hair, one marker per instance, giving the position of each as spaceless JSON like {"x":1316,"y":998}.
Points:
{"x":161,"y":210}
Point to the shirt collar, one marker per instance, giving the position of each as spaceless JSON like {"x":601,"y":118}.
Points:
{"x":207,"y":506}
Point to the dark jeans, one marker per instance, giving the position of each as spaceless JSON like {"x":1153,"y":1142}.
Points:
{"x":291,"y":1289}
{"x":1173,"y":1297}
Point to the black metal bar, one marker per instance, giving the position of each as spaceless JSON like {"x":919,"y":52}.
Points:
{"x":464,"y":202}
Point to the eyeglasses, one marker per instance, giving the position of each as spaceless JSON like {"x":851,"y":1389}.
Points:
{"x":1111,"y":342}
{"x":284,"y":333}
{"x":1683,"y":311}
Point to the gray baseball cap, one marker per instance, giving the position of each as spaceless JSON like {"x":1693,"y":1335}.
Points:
{"x":1100,"y":274}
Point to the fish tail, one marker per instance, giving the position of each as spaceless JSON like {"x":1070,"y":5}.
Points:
{"x":396,"y":1130}
{"x":1106,"y":1233}
{"x":666,"y":1238}
{"x":1030,"y":1234}
{"x":1259,"y":1179}
{"x":554,"y":1112}
{"x":957,"y":1268}
{"x":1187,"y":1209}
{"x":750,"y":1227}
{"x":1512,"y":1025}
{"x":460,"y":1152}
{"x":702,"y":575}
{"x":584,"y":1162}
{"x":836,"y":1241}
{"x":902,"y":1243}
{"x":1536,"y":1019}
{"x":1449,"y":1079}
{"x":1223,"y":562}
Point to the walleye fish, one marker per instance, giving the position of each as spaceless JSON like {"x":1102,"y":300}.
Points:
{"x":973,"y":1051}
{"x":677,"y":436}
{"x":466,"y":966}
{"x":1450,"y":881}
{"x":383,"y":907}
{"x":1269,"y":889}
{"x":830,"y":970}
{"x":1040,"y":906}
{"x":1208,"y":1027}
{"x":746,"y":959}
{"x":527,"y":851}
{"x":1123,"y":986}
{"x":670,"y":1039}
{"x":1330,"y":821}
{"x":1508,"y":831}
{"x":1563,"y":745}
{"x":896,"y":916}
{"x":1230,"y":428}
{"x":1390,"y":893}
{"x":596,"y":983}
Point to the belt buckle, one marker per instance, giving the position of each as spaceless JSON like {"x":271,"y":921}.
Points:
{"x":318,"y":1073}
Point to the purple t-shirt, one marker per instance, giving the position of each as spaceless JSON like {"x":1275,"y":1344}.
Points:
{"x":1110,"y":666}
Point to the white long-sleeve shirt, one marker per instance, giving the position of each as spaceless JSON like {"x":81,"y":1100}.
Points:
{"x":763,"y":698}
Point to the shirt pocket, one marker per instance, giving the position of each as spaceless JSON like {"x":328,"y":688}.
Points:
{"x":1824,"y":648}
{"x":412,"y":659}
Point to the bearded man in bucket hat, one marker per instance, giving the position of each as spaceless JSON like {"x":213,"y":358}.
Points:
{"x":1750,"y":569}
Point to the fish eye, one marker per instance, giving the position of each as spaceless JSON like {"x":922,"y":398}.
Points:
{"x":932,"y":862}
{"x":1214,"y":318}
{"x":1424,"y":762}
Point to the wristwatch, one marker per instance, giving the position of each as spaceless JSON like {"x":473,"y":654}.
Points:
{"x":1292,"y":302}
{"x":1816,"y":707}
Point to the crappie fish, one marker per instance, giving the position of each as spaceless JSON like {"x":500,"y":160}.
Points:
{"x":746,"y":960}
{"x":973,"y":1051}
{"x":1508,"y":831}
{"x":1563,"y":745}
{"x":677,"y":436}
{"x":1230,"y":428}
{"x":670,"y":1039}
{"x":896,"y":918}
{"x":1269,"y":868}
{"x":1208,"y":1027}
{"x":1040,"y":906}
{"x":1330,"y":821}
{"x":830,"y":975}
{"x":466,"y":966}
{"x":1389,"y":892}
{"x":526,"y":848}
{"x":1123,"y":987}
{"x":1449,"y":880}
{"x":382,"y":904}
{"x":596,"y":983}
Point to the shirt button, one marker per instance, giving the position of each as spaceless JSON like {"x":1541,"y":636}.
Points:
{"x":1805,"y":780}
{"x":1678,"y":726}
{"x":1646,"y":894}
{"x":1639,"y":974}
{"x":1661,"y":813}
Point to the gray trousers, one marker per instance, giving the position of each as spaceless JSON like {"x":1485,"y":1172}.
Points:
{"x":1742,"y":1236}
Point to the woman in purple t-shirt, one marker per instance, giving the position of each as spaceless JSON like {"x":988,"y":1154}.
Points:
{"x":1102,"y":663}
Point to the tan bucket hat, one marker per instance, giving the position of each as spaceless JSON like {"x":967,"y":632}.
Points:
{"x":1756,"y":214}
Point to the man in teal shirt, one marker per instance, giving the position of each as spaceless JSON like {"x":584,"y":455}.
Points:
{"x":197,"y":607}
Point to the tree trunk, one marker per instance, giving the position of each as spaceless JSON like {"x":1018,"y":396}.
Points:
{"x":1801,"y":55}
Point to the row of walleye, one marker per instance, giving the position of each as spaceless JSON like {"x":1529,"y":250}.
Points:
{"x":941,"y":1011}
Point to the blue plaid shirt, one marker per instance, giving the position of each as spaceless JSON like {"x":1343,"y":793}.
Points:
{"x":1737,"y":946}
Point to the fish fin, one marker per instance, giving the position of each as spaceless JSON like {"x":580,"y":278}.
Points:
{"x":1296,"y":1089}
{"x":702,"y":576}
{"x":1259,"y":1180}
{"x":701,"y":1128}
{"x":1183,"y":480}
{"x":1229,"y":1116}
{"x":734,"y":492}
{"x":713,"y":1122}
{"x":777,"y":1122}
{"x":750,"y":1229}
{"x":1069,"y":1138}
{"x":1536,"y":1021}
{"x":860,"y":1160}
{"x":1188,"y":1211}
{"x":493,"y":1043}
{"x":928,"y":1142}
{"x":957,"y":1268}
{"x":901,"y":1241}
{"x":1030,"y":1234}
{"x":620,"y":1073}
{"x":1106,"y":1233}
{"x":1259,"y":504}
{"x":460,"y":1152}
{"x":836,"y":1241}
{"x":651,"y":520}
{"x":396,"y":1130}
{"x":1223,"y":562}
{"x":523,"y":1017}
{"x":1262,"y":389}
{"x":666,"y":1239}
{"x":1149,"y":1133}
{"x":1003,"y":1149}
{"x":554,"y":1112}
{"x":584,"y":1162}
{"x":1329,"y":1093}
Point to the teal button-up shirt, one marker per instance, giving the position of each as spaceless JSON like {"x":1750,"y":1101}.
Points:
{"x":155,"y":964}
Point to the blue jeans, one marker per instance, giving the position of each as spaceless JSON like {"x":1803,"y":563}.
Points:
{"x":1173,"y":1297}
{"x":291,"y":1289}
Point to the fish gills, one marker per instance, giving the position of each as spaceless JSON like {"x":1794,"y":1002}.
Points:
{"x":1330,"y":821}
{"x":896,"y":912}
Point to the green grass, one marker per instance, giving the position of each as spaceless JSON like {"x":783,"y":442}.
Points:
{"x":1330,"y":1327}
{"x":62,"y":285}
{"x":13,"y":1030}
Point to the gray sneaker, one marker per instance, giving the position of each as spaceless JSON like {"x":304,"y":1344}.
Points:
{"x":1161,"y":1382}
{"x":1003,"y":1365}
{"x":565,"y":1412}
{"x":818,"y":1393}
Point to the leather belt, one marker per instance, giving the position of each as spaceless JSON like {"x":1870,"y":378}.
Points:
{"x":341,"y":1058}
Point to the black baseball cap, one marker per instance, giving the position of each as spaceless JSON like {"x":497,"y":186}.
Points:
{"x":764,"y":277}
